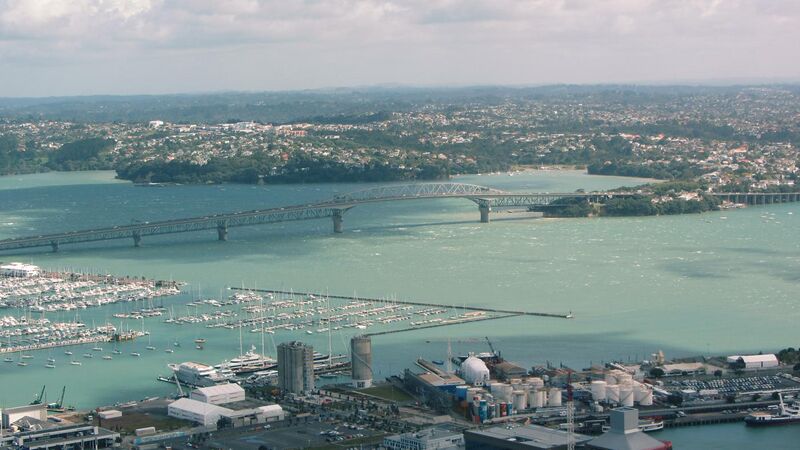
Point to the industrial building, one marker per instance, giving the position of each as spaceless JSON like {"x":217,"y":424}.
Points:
{"x":427,"y":439}
{"x":625,"y":434}
{"x":196,"y":411}
{"x":33,"y":434}
{"x":361,"y":361}
{"x":295,"y":367}
{"x":219,"y":395}
{"x":751,"y":362}
{"x":524,"y":437}
{"x":11,"y":415}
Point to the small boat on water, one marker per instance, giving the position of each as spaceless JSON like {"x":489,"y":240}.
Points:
{"x":97,"y":349}
{"x":116,"y":351}
{"x":26,"y":356}
{"x":75,"y":363}
{"x":69,"y":353}
{"x":22,"y":364}
{"x":9,"y":359}
{"x":50,"y":365}
{"x":438,"y":362}
{"x":136,"y":354}
{"x":88,"y":355}
{"x":169,"y":350}
{"x":108,"y":357}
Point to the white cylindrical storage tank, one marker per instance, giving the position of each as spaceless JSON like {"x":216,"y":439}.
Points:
{"x":612,"y":393}
{"x":626,"y":396}
{"x":535,"y":382}
{"x":472,"y":393}
{"x":638,"y":391}
{"x":507,"y":390}
{"x":647,"y":399}
{"x":519,"y":400}
{"x":361,"y":361}
{"x":554,"y":397}
{"x":539,"y":398}
{"x":496,"y":387}
{"x":610,"y":378}
{"x":598,"y":390}
{"x":624,"y":378}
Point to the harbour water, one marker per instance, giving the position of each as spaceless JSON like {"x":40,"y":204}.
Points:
{"x":715,"y":283}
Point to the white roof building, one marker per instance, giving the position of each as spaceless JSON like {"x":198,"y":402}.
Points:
{"x":219,"y":394}
{"x":755,"y":361}
{"x":205,"y":414}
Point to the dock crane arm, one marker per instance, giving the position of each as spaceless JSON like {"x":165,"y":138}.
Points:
{"x":491,"y":347}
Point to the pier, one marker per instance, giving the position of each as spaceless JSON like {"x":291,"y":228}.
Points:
{"x":406,"y":302}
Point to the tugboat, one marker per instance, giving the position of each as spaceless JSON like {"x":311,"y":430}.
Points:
{"x":785,"y":415}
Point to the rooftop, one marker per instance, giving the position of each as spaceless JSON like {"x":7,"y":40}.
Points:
{"x":533,"y":436}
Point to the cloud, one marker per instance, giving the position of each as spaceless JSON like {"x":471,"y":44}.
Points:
{"x":604,"y":39}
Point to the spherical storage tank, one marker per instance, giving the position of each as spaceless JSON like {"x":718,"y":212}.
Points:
{"x":475,"y":371}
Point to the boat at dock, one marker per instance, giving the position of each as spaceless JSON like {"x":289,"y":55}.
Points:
{"x":785,"y":415}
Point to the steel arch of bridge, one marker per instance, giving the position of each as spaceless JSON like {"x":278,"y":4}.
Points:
{"x":419,"y":190}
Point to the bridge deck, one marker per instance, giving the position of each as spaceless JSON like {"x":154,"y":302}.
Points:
{"x":486,"y":198}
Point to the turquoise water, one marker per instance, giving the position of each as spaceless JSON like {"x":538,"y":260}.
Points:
{"x":723,"y":282}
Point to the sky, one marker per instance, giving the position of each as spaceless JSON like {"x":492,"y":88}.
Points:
{"x":87,"y":47}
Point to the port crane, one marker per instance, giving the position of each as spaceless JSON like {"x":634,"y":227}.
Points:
{"x":58,"y":406}
{"x":38,"y":400}
{"x":491,"y":347}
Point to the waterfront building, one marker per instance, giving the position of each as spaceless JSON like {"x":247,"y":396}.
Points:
{"x":34,"y":434}
{"x":219,"y":394}
{"x":520,"y":437}
{"x":11,"y":415}
{"x":196,"y":411}
{"x":295,"y":367}
{"x":752,"y":362}
{"x":427,"y":439}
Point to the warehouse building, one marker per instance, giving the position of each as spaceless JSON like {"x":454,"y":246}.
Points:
{"x":525,"y":437}
{"x":16,"y":269}
{"x":428,"y":439}
{"x":753,"y":361}
{"x":196,"y":411}
{"x":220,"y":394}
{"x":11,"y":415}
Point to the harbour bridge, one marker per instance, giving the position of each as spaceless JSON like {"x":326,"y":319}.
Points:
{"x":485,"y":198}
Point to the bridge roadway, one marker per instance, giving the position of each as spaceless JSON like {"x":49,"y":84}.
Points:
{"x":485,"y":198}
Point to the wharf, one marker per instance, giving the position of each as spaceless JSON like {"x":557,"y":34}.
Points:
{"x":442,"y":324}
{"x":406,"y":302}
{"x":70,"y":342}
{"x":705,"y":419}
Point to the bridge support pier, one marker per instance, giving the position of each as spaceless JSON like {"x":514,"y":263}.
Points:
{"x":54,"y":245}
{"x":338,"y":221}
{"x":485,"y":210}
{"x":137,"y":239}
{"x":222,"y":232}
